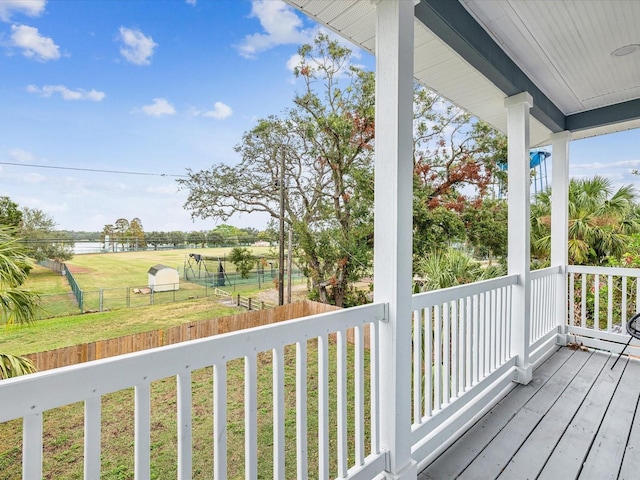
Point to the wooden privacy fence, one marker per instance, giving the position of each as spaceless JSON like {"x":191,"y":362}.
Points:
{"x":62,"y":357}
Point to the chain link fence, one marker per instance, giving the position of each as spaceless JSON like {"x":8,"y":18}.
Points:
{"x":196,"y":286}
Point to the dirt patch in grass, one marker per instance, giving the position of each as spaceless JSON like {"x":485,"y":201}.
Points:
{"x":298,"y":292}
{"x":77,"y":269}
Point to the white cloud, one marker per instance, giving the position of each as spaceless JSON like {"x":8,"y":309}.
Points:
{"x":220,"y":111}
{"x":601,"y":166}
{"x":31,"y":8}
{"x":33,"y":44}
{"x":66,"y":93}
{"x":191,"y":2}
{"x":159,"y":107}
{"x":19,"y":155}
{"x":281,"y":26}
{"x":293,"y":62}
{"x":136,"y":47}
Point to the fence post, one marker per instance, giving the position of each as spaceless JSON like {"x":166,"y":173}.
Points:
{"x":151,"y":297}
{"x":81,"y":301}
{"x":174,"y":293}
{"x":249,"y":303}
{"x":238,"y":299}
{"x":100,"y":300}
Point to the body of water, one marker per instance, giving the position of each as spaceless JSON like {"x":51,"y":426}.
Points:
{"x":87,"y":247}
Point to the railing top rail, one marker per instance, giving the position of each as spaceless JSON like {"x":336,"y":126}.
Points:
{"x":55,"y":388}
{"x":619,"y":271}
{"x":545,"y":272}
{"x":436,"y":297}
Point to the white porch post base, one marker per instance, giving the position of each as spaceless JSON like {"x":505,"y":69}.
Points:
{"x":523,"y":374}
{"x":562,"y":339}
{"x":410,"y":472}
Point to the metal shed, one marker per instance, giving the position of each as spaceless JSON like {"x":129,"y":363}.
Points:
{"x":163,"y":278}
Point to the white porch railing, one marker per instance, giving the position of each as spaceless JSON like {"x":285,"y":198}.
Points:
{"x":463,"y":363}
{"x":462,"y":358}
{"x":601,"y":301}
{"x":356,"y":451}
{"x":543,"y":317}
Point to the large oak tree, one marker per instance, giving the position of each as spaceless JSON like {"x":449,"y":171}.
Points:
{"x":325,"y":144}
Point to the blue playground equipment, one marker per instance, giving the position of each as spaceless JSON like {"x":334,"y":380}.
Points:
{"x":538,"y":165}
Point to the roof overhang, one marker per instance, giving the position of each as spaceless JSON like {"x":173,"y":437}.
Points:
{"x":478,"y":52}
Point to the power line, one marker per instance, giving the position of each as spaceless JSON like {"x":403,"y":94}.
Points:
{"x":96,"y":170}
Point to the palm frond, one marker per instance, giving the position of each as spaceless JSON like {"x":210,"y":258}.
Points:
{"x":13,"y":366}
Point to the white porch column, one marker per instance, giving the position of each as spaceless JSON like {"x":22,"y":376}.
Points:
{"x":519,"y":241}
{"x":393,"y":226}
{"x":560,"y":224}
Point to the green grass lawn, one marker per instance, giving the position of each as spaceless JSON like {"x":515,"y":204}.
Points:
{"x":46,"y":282}
{"x":76,"y":329}
{"x":108,"y":280}
{"x":124,"y":269}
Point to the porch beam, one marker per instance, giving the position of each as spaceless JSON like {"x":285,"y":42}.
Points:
{"x":452,"y":23}
{"x":560,"y":224}
{"x":519,"y":242}
{"x":393,"y":226}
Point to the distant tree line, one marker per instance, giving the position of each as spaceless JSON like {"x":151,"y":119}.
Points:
{"x":130,"y":235}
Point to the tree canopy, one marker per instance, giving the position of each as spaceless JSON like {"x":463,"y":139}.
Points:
{"x":127,"y":233}
{"x":37,"y":230}
{"x":10,"y":214}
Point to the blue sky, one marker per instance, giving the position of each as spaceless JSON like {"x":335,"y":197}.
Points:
{"x":157,"y":86}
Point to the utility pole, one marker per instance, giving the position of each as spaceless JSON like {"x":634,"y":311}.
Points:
{"x":289,"y":264}
{"x":281,"y":236}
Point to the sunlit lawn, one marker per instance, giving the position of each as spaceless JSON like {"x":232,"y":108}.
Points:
{"x":107,"y":280}
{"x":108,"y":270}
{"x":77,"y":329}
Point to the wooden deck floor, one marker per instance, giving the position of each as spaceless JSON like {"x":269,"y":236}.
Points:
{"x":576,"y":419}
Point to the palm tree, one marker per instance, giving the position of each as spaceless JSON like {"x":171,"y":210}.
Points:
{"x":600,"y":221}
{"x":18,"y":305}
{"x":451,"y":267}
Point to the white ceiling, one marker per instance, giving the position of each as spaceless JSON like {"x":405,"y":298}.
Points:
{"x":566,"y":47}
{"x":562,"y":48}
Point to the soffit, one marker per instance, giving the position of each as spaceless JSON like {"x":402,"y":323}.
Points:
{"x":477,"y":52}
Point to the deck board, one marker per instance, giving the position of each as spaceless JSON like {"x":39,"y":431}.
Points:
{"x":611,"y":440}
{"x":576,"y":419}
{"x":506,"y":444}
{"x":457,"y":457}
{"x":631,"y":462}
{"x":569,"y":455}
{"x":531,"y":458}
